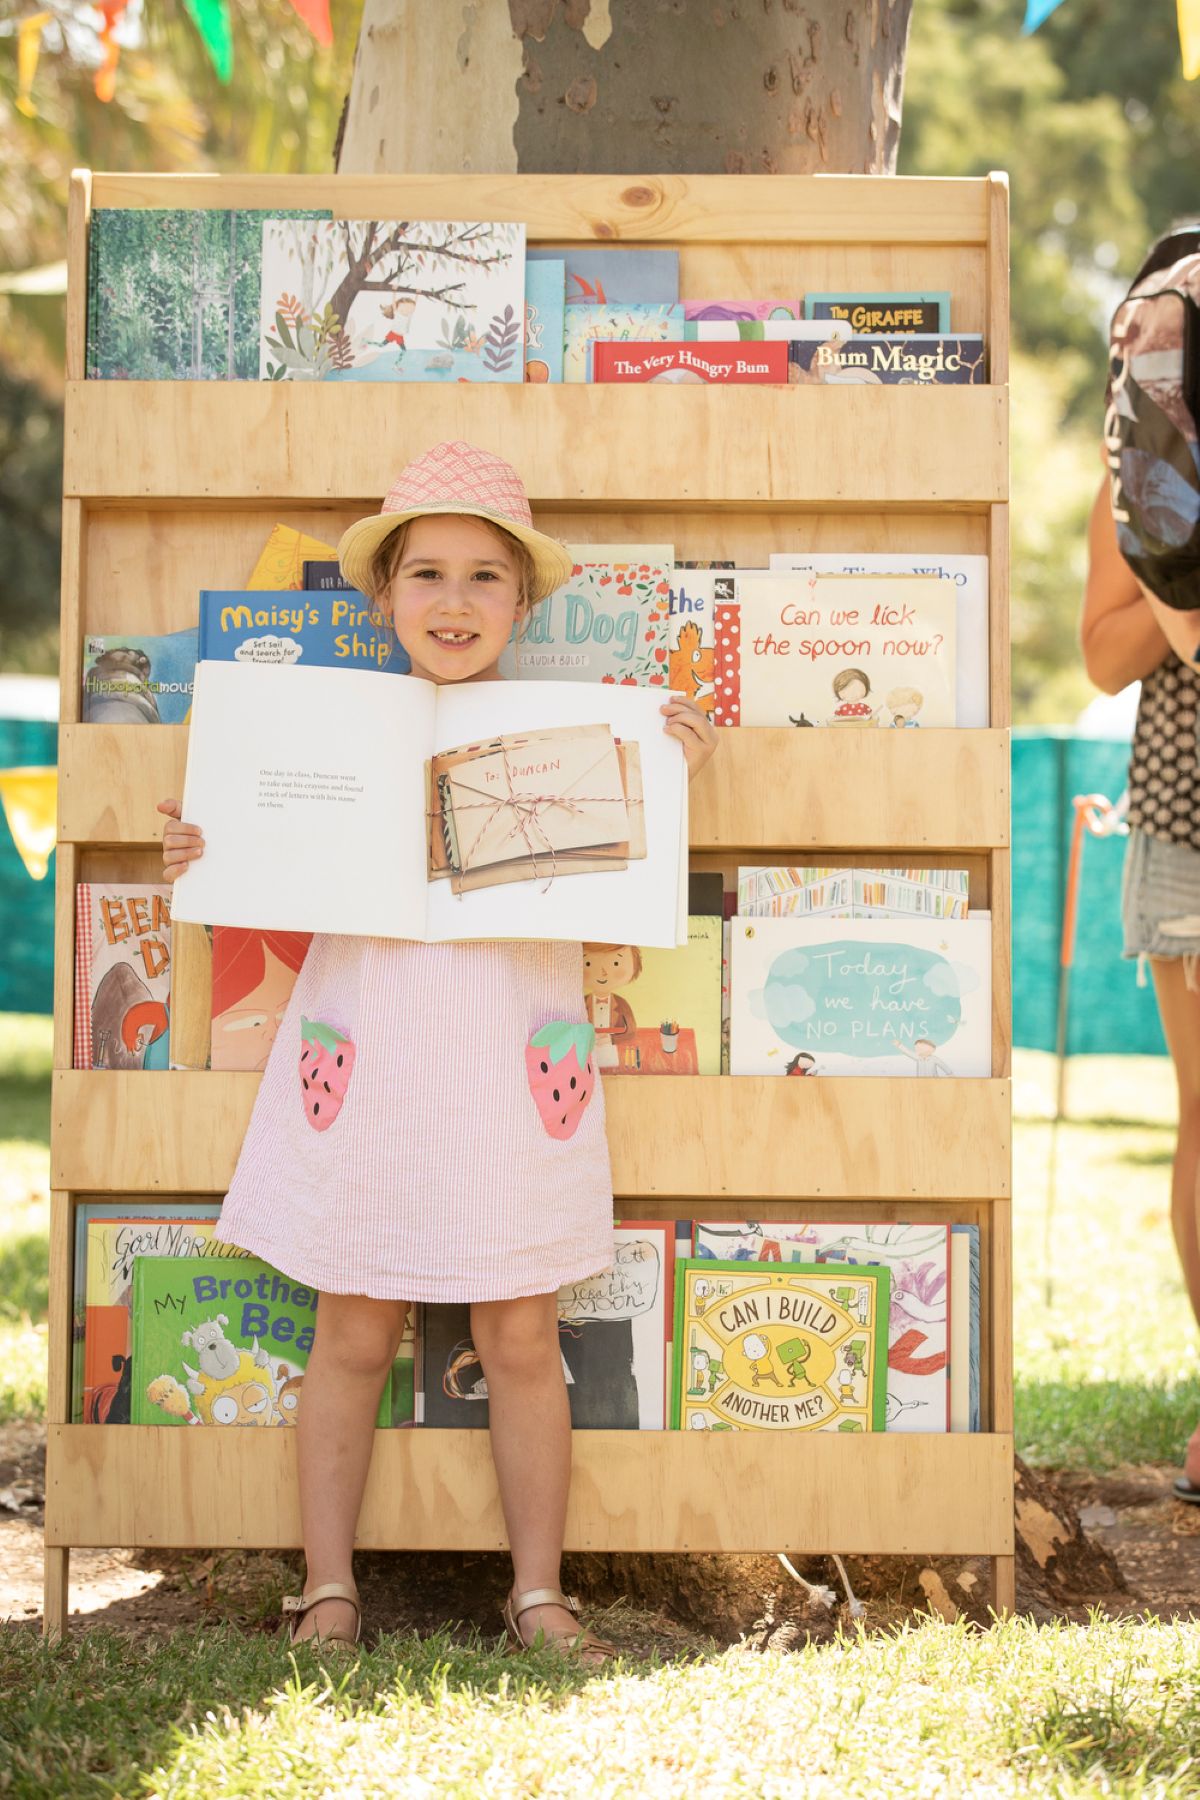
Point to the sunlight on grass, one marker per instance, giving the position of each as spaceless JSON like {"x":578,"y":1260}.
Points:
{"x":25,"y":1062}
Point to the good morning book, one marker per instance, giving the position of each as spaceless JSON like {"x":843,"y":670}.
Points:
{"x":332,"y":801}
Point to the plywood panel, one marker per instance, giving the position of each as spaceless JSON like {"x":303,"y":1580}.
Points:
{"x":736,"y":1491}
{"x":869,"y":790}
{"x":746,"y":446}
{"x":707,"y":1135}
{"x":712,"y":209}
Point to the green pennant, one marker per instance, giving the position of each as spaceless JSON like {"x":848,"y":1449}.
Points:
{"x":212,"y":21}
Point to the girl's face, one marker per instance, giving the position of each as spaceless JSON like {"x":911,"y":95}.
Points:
{"x":854,"y":690}
{"x":454,"y":597}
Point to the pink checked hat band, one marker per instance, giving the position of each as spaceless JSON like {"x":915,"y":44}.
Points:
{"x":456,"y":478}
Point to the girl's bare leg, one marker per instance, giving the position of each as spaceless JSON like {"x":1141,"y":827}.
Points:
{"x":355,"y":1344}
{"x":517,"y":1341}
{"x":1179,"y":1009}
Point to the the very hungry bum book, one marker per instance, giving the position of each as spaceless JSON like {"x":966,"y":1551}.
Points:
{"x":333,"y":801}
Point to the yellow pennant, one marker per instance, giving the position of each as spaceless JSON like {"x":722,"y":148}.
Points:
{"x":30,"y":799}
{"x":29,"y":44}
{"x":1189,"y":37}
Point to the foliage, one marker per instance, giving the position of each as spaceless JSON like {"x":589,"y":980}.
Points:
{"x":31,"y":442}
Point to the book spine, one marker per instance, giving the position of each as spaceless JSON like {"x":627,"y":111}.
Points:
{"x":83,"y":976}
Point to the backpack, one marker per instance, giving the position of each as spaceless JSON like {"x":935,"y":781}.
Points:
{"x":1152,"y":421}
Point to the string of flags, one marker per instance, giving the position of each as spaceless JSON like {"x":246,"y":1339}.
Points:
{"x":211,"y":18}
{"x":1038,"y":11}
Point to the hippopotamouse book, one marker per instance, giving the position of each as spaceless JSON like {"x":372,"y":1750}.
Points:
{"x":140,"y":680}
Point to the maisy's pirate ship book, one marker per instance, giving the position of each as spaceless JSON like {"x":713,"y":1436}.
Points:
{"x":335,"y":802}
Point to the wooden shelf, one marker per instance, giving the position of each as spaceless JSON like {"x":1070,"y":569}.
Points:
{"x":861,"y":790}
{"x":736,"y":1491}
{"x":706,"y":1136}
{"x":744,"y":447}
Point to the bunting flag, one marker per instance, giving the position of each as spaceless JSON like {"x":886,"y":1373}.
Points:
{"x":30,"y":798}
{"x":1189,"y":37}
{"x":315,"y":14}
{"x":1037,"y":12}
{"x":29,"y":44}
{"x":212,"y":21}
{"x":105,"y":79}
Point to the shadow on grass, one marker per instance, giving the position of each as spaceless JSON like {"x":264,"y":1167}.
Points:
{"x":25,"y":1277}
{"x":25,"y":1107}
{"x":1148,"y":1159}
{"x":1102,"y":1425}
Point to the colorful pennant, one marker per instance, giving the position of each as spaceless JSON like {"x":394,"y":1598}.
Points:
{"x":1037,"y":12}
{"x":30,"y":799}
{"x":315,"y":14}
{"x":29,"y":44}
{"x":212,"y":21}
{"x":1189,"y":37}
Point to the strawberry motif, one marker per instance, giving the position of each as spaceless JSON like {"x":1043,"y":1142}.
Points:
{"x":558,"y":1062}
{"x":325,"y":1064}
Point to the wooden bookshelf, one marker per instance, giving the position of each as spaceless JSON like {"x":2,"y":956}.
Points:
{"x":174,"y":485}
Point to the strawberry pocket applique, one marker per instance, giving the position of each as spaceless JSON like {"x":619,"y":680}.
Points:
{"x":562,"y":1074}
{"x":326,"y":1059}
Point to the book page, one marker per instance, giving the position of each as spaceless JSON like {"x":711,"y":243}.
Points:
{"x":309,"y":786}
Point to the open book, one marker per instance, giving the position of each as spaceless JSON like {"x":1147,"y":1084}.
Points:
{"x":332,"y":801}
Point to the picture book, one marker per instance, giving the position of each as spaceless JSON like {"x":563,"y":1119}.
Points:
{"x":848,"y":651}
{"x":392,"y":300}
{"x":719,"y":364}
{"x":281,"y":560}
{"x":776,"y":328}
{"x":691,"y":632}
{"x":281,"y":628}
{"x":191,"y":996}
{"x":616,"y":277}
{"x":253,"y":974}
{"x":776,"y":893}
{"x":122,"y":975}
{"x":916,"y":360}
{"x":608,"y":622}
{"x":326,"y":577}
{"x":113,"y":1248}
{"x":625,"y":323}
{"x":173,"y":293}
{"x":657,"y":1012}
{"x":970,"y":577}
{"x":920,"y":1309}
{"x":110,"y":1401}
{"x":332,"y":827}
{"x":860,"y":997}
{"x":736,"y":311}
{"x":138,"y":680}
{"x":965,"y":1312}
{"x":545,"y":302}
{"x":882,"y":314}
{"x":779,"y":1346}
{"x":613,"y":1335}
{"x":221,"y":1343}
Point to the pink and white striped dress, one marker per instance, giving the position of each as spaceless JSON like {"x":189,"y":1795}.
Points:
{"x":436,"y":1179}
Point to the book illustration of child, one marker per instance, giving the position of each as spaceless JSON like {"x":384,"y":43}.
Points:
{"x":607,"y":967}
{"x":757,"y":1351}
{"x":923,"y":1052}
{"x":254,"y":973}
{"x":439,"y":1179}
{"x":851,"y":689}
{"x":129,"y":1027}
{"x":904,"y":703}
{"x":802,"y":1064}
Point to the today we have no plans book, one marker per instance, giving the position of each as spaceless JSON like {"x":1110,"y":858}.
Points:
{"x":332,"y":801}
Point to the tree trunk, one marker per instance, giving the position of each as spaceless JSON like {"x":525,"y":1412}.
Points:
{"x":626,"y":86}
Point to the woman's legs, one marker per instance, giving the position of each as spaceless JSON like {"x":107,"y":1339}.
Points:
{"x":1179,"y":1009}
{"x":355,"y":1344}
{"x":517,"y":1341}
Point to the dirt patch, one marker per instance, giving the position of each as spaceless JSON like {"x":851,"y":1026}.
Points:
{"x":1146,"y":1560}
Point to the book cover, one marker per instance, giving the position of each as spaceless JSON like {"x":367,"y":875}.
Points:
{"x":920,"y":1310}
{"x":691,"y":631}
{"x":970,"y":577}
{"x":221,"y":1343}
{"x":173,"y":293}
{"x":918,"y":360}
{"x":584,"y":325}
{"x":138,"y":679}
{"x":326,"y":576}
{"x":122,"y":975}
{"x":607,"y":623}
{"x":965,"y":1312}
{"x":738,"y":311}
{"x":613,"y":1334}
{"x":775,"y":893}
{"x":281,"y":627}
{"x":706,"y":364}
{"x":545,"y":305}
{"x":392,"y":300}
{"x":616,"y":277}
{"x":300,"y":775}
{"x":657,"y":1012}
{"x":846,"y":651}
{"x":883,"y":314}
{"x":253,"y":974}
{"x":860,"y":997}
{"x":776,"y":328}
{"x":779,"y":1347}
{"x":281,"y":560}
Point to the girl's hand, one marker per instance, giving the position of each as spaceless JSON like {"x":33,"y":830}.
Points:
{"x":182,"y":844}
{"x":694,"y":729}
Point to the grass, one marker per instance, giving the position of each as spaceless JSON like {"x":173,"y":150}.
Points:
{"x":1110,"y":1709}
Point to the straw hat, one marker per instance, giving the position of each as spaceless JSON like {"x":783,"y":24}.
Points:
{"x":456,"y":478}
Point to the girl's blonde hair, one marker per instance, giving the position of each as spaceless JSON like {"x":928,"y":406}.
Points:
{"x":390,"y":554}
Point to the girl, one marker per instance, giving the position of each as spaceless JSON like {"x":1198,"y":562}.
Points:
{"x":396,"y":1153}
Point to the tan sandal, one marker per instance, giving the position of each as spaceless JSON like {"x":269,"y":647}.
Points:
{"x":299,"y":1604}
{"x":584,"y":1644}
